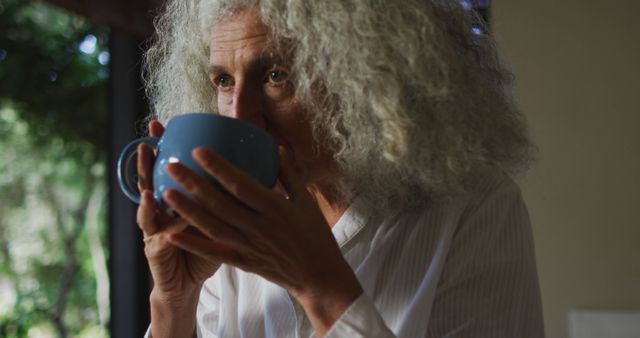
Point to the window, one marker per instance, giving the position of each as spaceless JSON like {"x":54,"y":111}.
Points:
{"x":53,"y":190}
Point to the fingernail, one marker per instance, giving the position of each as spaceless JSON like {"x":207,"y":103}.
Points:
{"x":171,"y":168}
{"x":174,"y":237}
{"x":167,"y":193}
{"x":167,"y":196}
{"x":284,"y":152}
{"x":171,"y":194}
{"x":198,"y":152}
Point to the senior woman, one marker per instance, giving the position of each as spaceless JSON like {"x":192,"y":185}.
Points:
{"x":395,"y":213}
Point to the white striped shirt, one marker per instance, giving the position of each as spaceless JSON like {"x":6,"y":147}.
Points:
{"x":464,"y":269}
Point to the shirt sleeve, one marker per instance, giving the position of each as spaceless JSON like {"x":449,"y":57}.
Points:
{"x":489,"y":285}
{"x":360,"y":320}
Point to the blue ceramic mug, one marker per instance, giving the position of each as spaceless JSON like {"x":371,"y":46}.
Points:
{"x":246,"y":146}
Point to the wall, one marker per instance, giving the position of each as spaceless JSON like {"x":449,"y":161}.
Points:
{"x":578,"y":81}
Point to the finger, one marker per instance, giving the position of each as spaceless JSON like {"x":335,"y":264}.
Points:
{"x":152,"y":220}
{"x":145,"y":216}
{"x":289,"y":175}
{"x":203,"y":247}
{"x":209,"y":225}
{"x":144,"y":166}
{"x":279,"y":188}
{"x":215,"y":201}
{"x":235,"y":181}
{"x":156,"y":129}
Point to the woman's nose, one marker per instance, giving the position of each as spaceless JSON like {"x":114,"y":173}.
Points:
{"x":249,"y":105}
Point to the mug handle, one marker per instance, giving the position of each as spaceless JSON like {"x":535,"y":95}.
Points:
{"x":127,"y":170}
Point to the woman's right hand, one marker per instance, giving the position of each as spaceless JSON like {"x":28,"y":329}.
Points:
{"x":177,"y":274}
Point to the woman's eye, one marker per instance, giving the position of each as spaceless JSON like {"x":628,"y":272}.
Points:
{"x":277,"y":77}
{"x":223,"y":82}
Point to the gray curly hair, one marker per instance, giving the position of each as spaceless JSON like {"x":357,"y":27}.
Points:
{"x":414,"y":105}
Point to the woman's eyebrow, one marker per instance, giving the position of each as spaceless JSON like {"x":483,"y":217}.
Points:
{"x":261,"y":61}
{"x":215,"y":69}
{"x":269,"y":58}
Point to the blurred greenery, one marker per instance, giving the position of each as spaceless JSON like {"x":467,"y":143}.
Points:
{"x":44,"y":72}
{"x":53,"y":109}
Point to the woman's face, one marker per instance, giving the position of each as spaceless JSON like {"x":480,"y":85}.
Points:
{"x":253,"y":85}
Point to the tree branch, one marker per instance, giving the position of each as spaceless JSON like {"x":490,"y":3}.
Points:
{"x":70,"y":238}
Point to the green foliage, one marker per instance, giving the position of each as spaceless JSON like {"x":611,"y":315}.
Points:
{"x":57,"y":88}
{"x":49,"y":181}
{"x":16,"y":326}
{"x":53,"y":76}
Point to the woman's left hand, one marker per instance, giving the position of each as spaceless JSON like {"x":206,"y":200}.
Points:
{"x":285,"y":240}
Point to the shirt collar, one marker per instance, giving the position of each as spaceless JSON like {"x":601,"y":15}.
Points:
{"x":349,"y":224}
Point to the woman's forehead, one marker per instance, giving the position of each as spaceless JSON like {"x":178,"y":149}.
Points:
{"x":245,"y":30}
{"x":242,"y":24}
